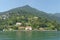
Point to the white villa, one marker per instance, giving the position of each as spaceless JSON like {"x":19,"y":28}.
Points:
{"x":18,"y":23}
{"x":28,"y":28}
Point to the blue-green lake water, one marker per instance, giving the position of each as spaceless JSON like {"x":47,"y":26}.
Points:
{"x":30,"y":35}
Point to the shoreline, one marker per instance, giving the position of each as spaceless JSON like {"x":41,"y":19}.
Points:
{"x":29,"y":30}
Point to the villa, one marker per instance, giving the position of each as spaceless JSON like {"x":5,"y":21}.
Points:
{"x":28,"y":28}
{"x":21,"y":28}
{"x":18,"y":23}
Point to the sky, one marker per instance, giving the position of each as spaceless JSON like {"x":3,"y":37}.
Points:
{"x":49,"y":6}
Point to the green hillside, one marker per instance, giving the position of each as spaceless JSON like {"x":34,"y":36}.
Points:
{"x":28,"y":16}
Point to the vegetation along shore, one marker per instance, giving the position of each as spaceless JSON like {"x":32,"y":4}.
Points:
{"x":28,"y":18}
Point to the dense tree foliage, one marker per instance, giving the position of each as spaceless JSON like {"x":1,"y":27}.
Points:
{"x":28,"y":17}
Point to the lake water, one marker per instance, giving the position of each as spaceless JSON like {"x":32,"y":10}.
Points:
{"x":29,"y":35}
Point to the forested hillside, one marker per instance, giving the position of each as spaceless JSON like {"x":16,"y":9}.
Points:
{"x":28,"y":16}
